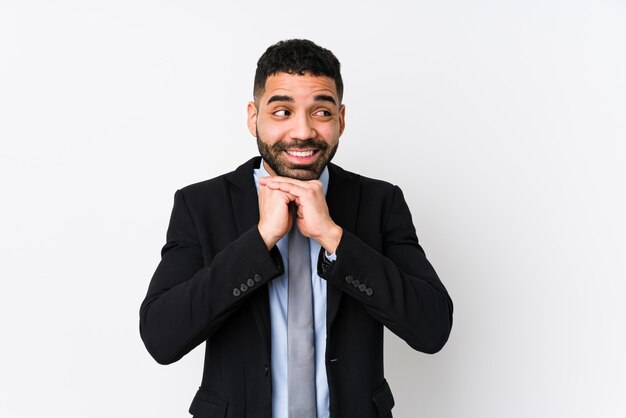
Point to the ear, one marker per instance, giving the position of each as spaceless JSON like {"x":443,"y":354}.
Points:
{"x":252,"y":114}
{"x":342,"y":119}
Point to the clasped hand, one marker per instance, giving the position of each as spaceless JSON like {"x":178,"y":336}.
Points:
{"x":312,"y":216}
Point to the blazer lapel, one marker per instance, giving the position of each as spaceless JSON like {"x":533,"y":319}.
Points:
{"x":342,"y":198}
{"x":244,"y":198}
{"x":245,"y":204}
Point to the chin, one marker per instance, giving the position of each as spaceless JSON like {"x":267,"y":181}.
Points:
{"x":299,"y":173}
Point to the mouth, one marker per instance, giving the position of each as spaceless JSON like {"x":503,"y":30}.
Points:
{"x":300,"y":156}
{"x":295,"y":153}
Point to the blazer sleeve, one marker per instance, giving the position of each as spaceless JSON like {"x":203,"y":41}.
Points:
{"x":187,"y":300}
{"x":397,"y":286}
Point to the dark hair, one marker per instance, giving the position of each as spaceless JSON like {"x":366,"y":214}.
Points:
{"x":297,"y":56}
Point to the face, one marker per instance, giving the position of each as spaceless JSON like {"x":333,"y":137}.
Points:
{"x":297,"y":123}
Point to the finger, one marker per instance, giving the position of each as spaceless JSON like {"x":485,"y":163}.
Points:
{"x":296,"y":182}
{"x":268,"y":179}
{"x":292,"y":189}
{"x":269,"y":190}
{"x":299,"y":212}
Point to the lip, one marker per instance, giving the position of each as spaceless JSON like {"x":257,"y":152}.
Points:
{"x":302,"y":160}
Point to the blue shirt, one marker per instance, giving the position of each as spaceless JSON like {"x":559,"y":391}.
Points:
{"x":278,"y":292}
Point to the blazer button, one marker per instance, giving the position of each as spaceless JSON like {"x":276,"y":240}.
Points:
{"x":236,"y":292}
{"x":356,"y":283}
{"x":369,"y":291}
{"x":362,"y":287}
{"x":243,"y":288}
{"x":250,"y":283}
{"x":258,"y":278}
{"x":349,"y":279}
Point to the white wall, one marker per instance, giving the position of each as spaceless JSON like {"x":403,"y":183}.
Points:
{"x":504,"y":123}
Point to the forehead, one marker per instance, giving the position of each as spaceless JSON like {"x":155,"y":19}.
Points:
{"x":299,"y":87}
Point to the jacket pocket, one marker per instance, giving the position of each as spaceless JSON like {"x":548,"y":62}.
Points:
{"x":205,"y":405}
{"x":383,"y":399}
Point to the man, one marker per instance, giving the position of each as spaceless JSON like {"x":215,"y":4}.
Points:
{"x":286,"y":337}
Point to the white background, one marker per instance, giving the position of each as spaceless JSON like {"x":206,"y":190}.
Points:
{"x":503,"y":122}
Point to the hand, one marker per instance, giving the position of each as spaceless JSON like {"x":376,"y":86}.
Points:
{"x":313,"y":219}
{"x":275,"y":216}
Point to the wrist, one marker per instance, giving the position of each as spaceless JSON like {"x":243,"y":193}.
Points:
{"x":330,"y":240}
{"x":269,"y":239}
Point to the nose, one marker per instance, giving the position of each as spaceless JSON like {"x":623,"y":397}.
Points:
{"x":302,"y":128}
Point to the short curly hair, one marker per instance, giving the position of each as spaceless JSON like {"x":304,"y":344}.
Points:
{"x":297,"y":56}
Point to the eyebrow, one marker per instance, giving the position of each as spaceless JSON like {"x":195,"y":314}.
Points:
{"x":325,"y":98}
{"x":278,"y":98}
{"x":318,"y":98}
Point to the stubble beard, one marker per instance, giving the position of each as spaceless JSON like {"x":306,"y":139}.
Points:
{"x":273,"y":156}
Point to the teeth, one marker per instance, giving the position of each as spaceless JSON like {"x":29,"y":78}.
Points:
{"x":300,"y":153}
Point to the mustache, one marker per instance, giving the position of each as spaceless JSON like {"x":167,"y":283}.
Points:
{"x":298,"y":144}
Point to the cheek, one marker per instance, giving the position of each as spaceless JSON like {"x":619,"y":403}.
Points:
{"x":268,"y":136}
{"x":330,"y":133}
{"x":269,"y":132}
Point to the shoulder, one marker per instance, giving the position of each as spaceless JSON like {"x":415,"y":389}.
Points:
{"x":216,"y":193}
{"x":366,"y":184}
{"x":374,"y":196}
{"x":240,"y":178}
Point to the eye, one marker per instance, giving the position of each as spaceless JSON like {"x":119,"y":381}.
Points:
{"x":323,"y":112}
{"x":281,"y":113}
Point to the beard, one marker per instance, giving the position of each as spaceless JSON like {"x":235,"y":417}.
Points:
{"x":273,"y":155}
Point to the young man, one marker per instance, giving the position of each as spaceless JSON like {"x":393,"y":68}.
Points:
{"x":289,"y":267}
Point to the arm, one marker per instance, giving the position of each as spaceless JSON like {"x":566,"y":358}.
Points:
{"x":187,"y":301}
{"x":405,"y":293}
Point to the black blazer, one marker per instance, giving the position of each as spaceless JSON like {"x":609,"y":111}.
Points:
{"x":211,"y":285}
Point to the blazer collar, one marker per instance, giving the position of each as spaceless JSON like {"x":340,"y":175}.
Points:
{"x":244,"y":198}
{"x":343,"y":197}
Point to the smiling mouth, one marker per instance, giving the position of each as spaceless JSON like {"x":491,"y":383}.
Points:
{"x":301,"y":154}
